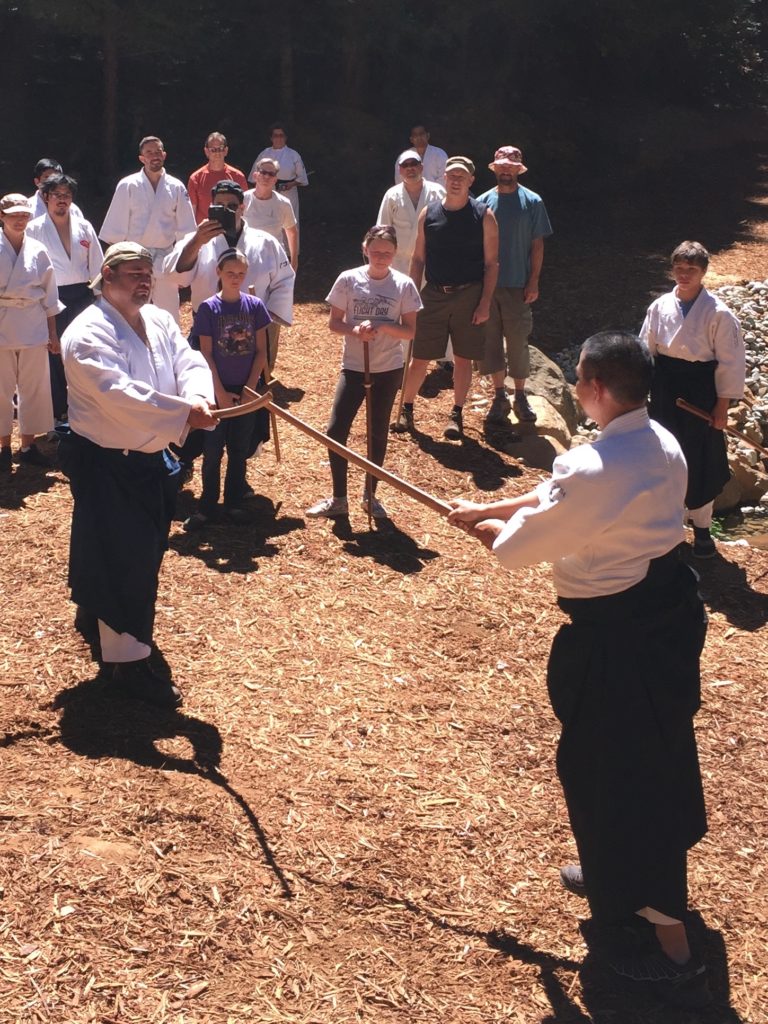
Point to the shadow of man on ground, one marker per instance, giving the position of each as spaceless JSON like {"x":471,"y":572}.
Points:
{"x":98,"y":723}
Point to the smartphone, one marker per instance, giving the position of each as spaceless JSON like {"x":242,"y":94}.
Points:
{"x":225,"y":217}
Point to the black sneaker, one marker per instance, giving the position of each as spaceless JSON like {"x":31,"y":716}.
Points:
{"x":137,"y":681}
{"x":572,"y":879}
{"x":523,"y":410}
{"x":6,"y":460}
{"x":454,"y":428}
{"x":683,"y":985}
{"x":404,"y":422}
{"x":703,"y":545}
{"x":499,"y":411}
{"x":34,"y":457}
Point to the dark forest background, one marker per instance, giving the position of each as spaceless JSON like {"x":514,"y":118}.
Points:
{"x":600,"y":94}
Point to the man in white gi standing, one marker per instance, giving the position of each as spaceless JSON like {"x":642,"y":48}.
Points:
{"x":153,"y":209}
{"x":135,"y":386}
{"x":76,"y":255}
{"x":402,"y":204}
{"x":28,"y":307}
{"x":623,"y":675}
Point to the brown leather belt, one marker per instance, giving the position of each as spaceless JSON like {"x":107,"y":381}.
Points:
{"x":448,"y":288}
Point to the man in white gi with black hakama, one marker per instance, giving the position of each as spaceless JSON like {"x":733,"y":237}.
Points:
{"x":623,"y":676}
{"x":698,"y":352}
{"x":153,"y":209}
{"x":135,"y":386}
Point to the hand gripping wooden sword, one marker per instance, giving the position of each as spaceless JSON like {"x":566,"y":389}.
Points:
{"x":695,"y":411}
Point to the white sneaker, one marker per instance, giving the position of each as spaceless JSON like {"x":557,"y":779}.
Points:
{"x":377,"y":509}
{"x":330,"y":508}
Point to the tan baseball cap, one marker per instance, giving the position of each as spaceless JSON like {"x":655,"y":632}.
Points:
{"x":15,"y":202}
{"x":120,"y":252}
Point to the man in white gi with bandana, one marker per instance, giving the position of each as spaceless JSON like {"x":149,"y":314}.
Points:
{"x":623,"y":675}
{"x":153,"y":209}
{"x":135,"y":386}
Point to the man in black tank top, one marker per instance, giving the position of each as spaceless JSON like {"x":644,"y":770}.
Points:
{"x":458,"y":246}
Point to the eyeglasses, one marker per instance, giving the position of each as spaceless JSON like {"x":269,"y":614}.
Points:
{"x":267,"y":174}
{"x":410,"y":163}
{"x":60,"y":195}
{"x":216,"y":149}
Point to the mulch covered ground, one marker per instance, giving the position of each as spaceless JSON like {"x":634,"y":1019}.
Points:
{"x":355,"y":817}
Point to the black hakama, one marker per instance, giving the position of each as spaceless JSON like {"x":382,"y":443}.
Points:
{"x":704,"y":448}
{"x":624,"y":681}
{"x":123,"y":508}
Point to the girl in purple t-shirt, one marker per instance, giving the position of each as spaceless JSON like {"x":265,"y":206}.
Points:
{"x":232,"y":328}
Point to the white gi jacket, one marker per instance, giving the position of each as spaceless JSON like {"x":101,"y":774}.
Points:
{"x":269,"y":271}
{"x":86,"y":259}
{"x":398,"y":211}
{"x":28,"y":294}
{"x":123,"y":394}
{"x":153,"y":218}
{"x":433,"y":165}
{"x":607,"y":510}
{"x":709,"y":332}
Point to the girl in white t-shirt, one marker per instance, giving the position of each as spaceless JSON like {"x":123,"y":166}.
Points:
{"x":376,"y":306}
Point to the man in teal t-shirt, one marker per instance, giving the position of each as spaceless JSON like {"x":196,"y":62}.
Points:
{"x":523,"y":226}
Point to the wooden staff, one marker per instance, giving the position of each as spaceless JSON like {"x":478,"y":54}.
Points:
{"x":368,"y":429}
{"x":357,"y":460}
{"x":241,"y":409}
{"x":269,"y":379}
{"x":695,"y":411}
{"x":406,"y":364}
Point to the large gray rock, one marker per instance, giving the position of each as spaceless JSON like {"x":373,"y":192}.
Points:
{"x":547,"y":380}
{"x":746,"y":487}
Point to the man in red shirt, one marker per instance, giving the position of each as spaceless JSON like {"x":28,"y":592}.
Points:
{"x":204,"y":178}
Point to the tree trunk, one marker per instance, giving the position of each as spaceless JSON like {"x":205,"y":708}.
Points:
{"x":109,"y":112}
{"x":287,"y":94}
